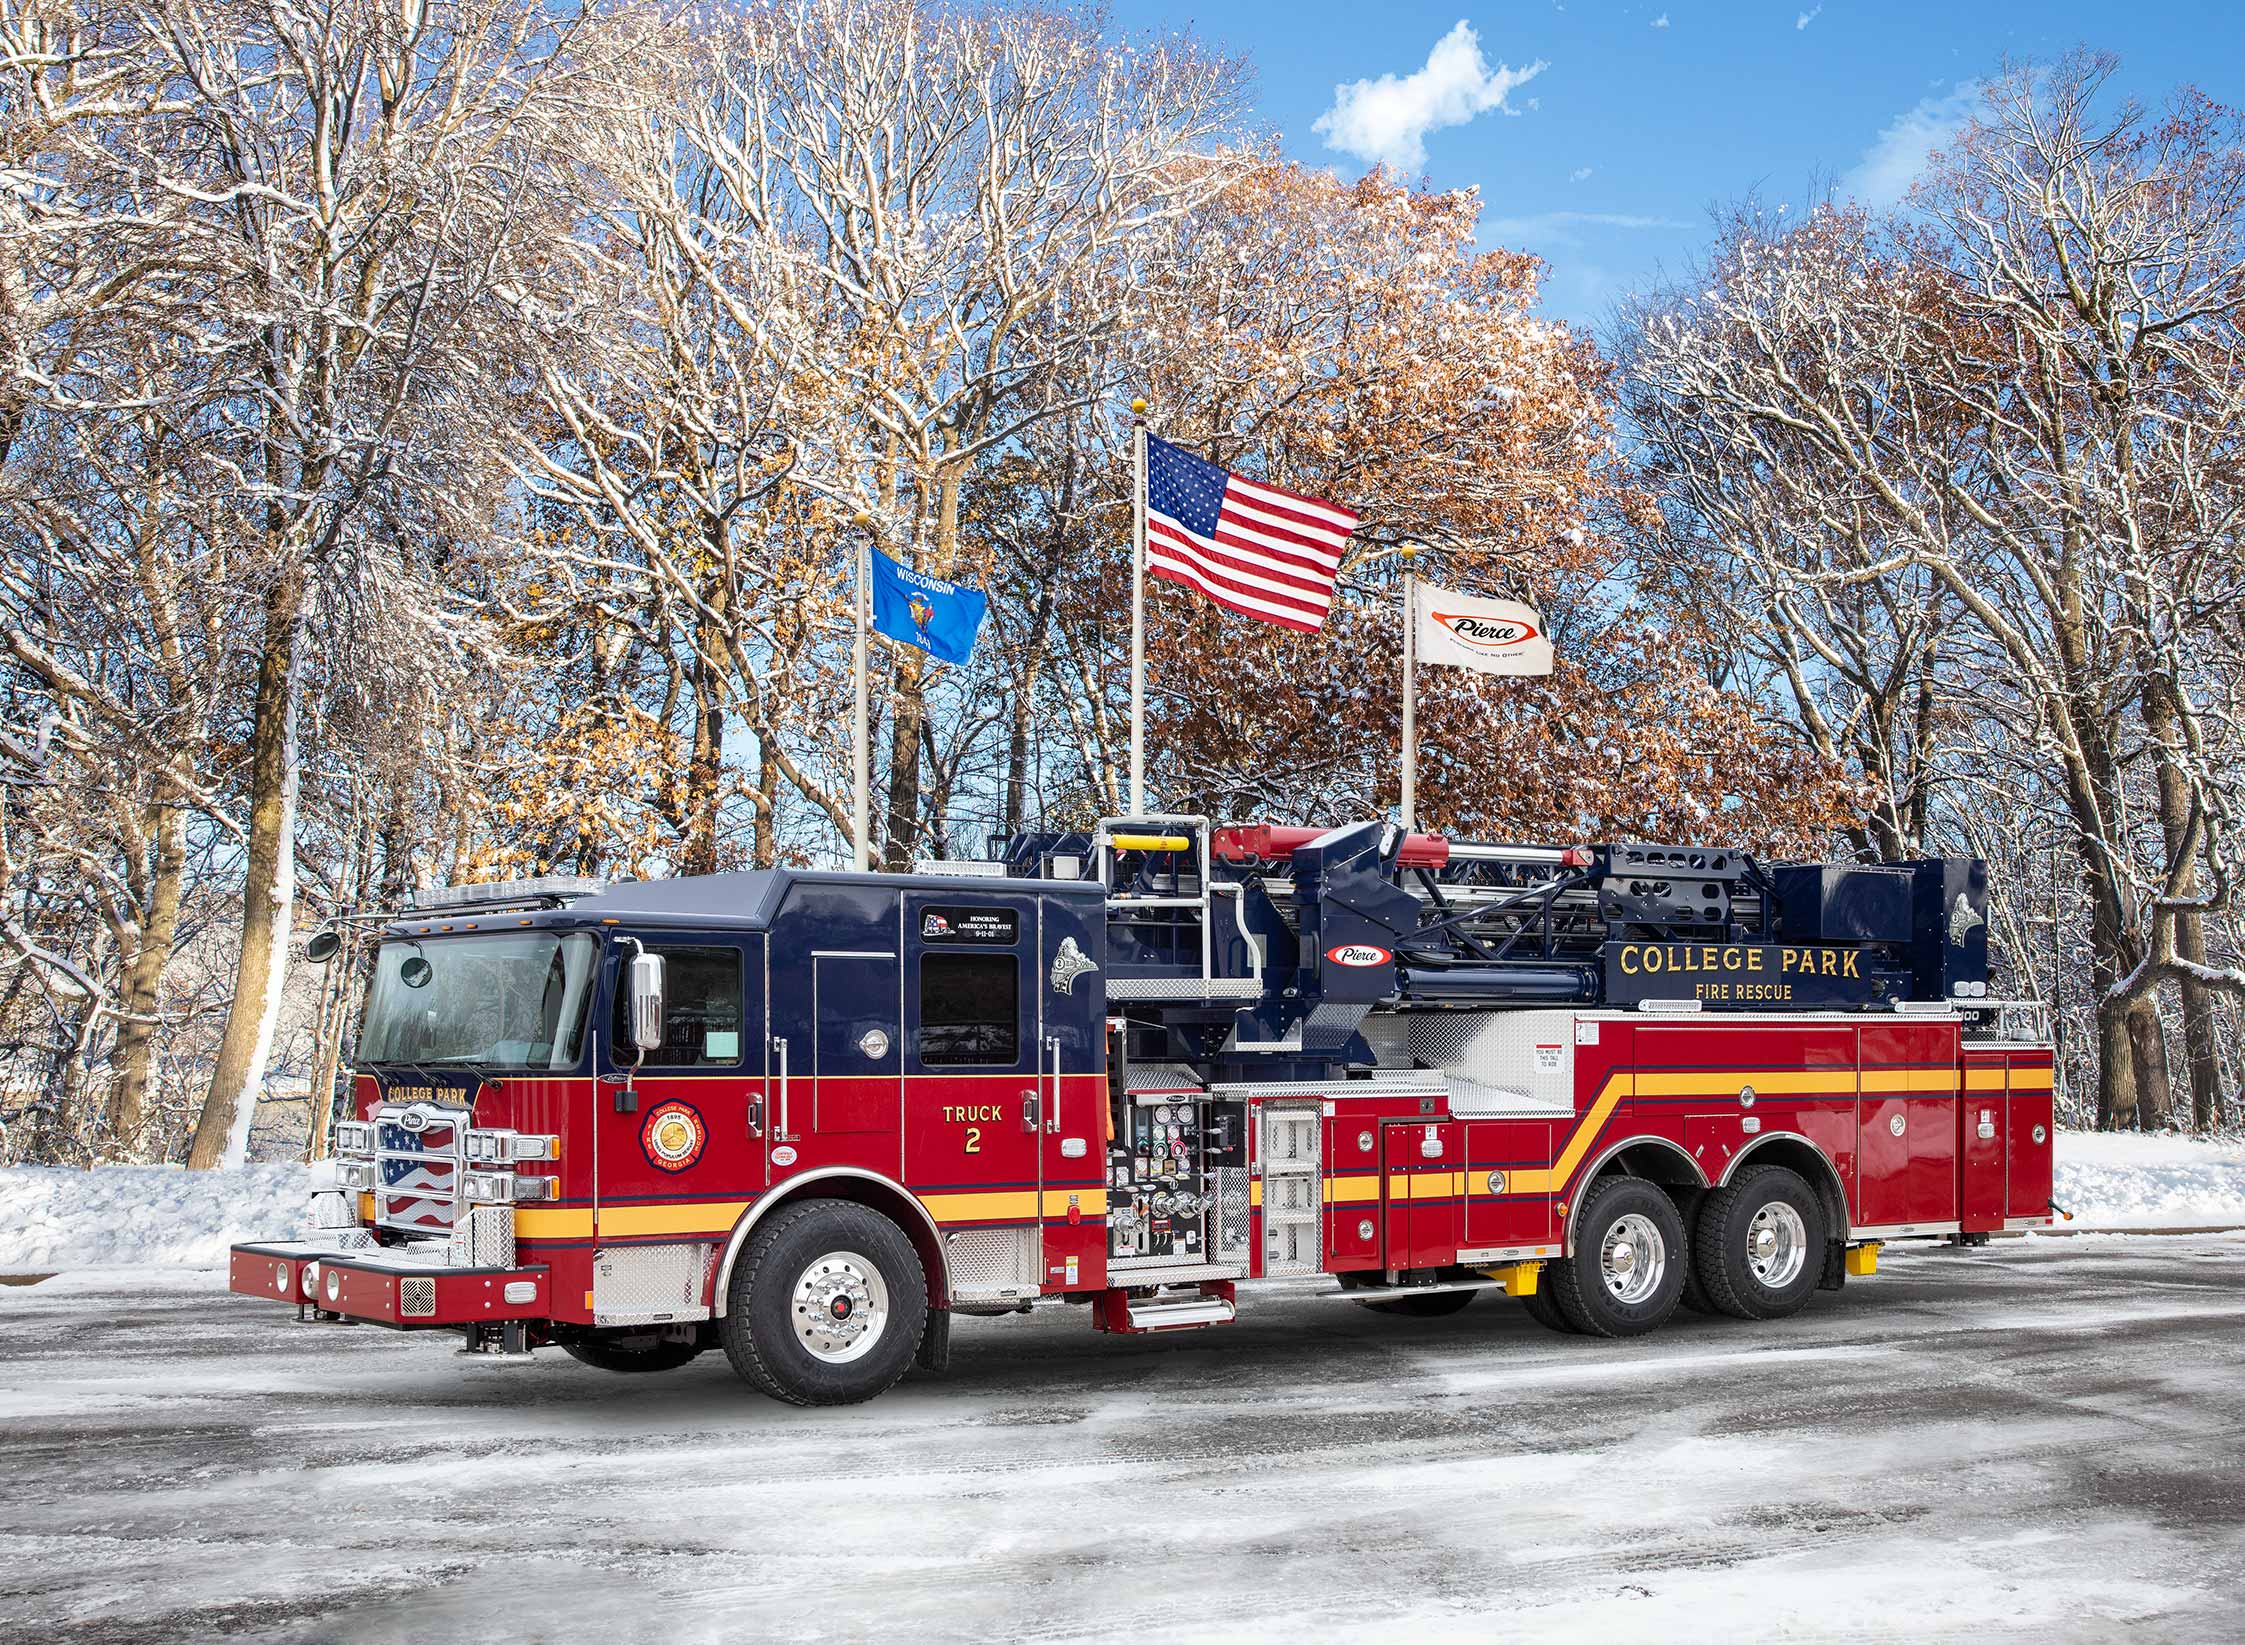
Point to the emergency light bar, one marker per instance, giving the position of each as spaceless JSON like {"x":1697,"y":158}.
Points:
{"x":546,"y":888}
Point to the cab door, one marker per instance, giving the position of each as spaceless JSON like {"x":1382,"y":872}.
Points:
{"x":687,"y":1120}
{"x":973,"y":1115}
{"x":1069,"y":983}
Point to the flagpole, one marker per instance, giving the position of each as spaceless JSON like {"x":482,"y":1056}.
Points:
{"x":861,"y":803}
{"x":1410,"y":795}
{"x":1138,"y":608}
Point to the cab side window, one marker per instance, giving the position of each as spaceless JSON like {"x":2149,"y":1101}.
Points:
{"x":970,"y":1010}
{"x":701,"y":1010}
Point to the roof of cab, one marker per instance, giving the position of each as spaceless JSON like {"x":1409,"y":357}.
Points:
{"x":755,"y":896}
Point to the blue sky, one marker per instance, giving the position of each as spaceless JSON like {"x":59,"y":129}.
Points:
{"x":1605,"y":160}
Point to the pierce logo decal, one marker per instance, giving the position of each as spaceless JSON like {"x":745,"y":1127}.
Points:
{"x":1489,"y":635}
{"x":673,"y":1136}
{"x":1358,"y":953}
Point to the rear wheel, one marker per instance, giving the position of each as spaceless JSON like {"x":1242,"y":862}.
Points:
{"x":1434,"y":1305}
{"x":827,"y":1305}
{"x":630,"y":1352}
{"x":1688,"y":1202}
{"x":1543,"y":1309}
{"x":1759,"y":1248}
{"x":1628,"y":1268}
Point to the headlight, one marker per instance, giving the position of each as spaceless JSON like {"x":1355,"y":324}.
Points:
{"x":354,"y":1137}
{"x":358,"y":1174}
{"x":489,"y":1188}
{"x":506,"y":1147}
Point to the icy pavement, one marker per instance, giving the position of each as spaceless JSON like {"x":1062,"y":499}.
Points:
{"x":2039,"y":1441}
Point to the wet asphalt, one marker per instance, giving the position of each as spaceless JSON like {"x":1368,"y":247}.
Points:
{"x":2043,"y":1440}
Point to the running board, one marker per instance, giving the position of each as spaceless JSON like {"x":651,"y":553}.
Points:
{"x":1153,"y":1315}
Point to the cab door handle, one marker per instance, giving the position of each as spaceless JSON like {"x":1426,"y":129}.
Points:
{"x":1029,"y":1109}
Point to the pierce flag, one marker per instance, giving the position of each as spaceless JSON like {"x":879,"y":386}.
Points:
{"x":939,"y":617}
{"x":1493,"y":636}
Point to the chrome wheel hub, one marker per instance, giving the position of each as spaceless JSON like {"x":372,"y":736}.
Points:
{"x":1632,"y":1258}
{"x":1776,"y":1245}
{"x":840,"y":1307}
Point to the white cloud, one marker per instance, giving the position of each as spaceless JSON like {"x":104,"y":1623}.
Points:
{"x":1808,"y":17}
{"x":1661,"y":21}
{"x":1561,"y":229}
{"x":1890,"y":165}
{"x":1386,"y":120}
{"x":1581,"y":174}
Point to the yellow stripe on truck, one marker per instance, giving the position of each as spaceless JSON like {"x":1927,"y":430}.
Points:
{"x":1014,"y":1205}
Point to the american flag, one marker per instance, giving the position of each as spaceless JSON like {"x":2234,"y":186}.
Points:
{"x":1251,"y":548}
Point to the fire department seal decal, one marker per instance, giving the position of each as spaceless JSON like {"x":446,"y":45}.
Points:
{"x":1069,"y":964}
{"x":673,"y":1136}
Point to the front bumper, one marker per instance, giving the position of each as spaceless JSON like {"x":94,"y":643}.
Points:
{"x":385,"y":1286}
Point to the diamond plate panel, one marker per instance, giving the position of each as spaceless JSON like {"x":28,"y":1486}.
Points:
{"x":993,"y":1259}
{"x":647,"y":1284}
{"x":1229,"y":1237}
{"x":483,"y":1238}
{"x":1527,"y":1054}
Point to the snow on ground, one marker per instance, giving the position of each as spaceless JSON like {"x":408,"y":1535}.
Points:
{"x":133,"y":1215}
{"x":129,"y":1216}
{"x":2127,"y":1179}
{"x":2033,"y":1442}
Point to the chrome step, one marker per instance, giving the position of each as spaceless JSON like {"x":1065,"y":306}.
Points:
{"x":1156,"y":1315}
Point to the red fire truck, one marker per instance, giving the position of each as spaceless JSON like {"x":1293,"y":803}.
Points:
{"x":808,"y":1117}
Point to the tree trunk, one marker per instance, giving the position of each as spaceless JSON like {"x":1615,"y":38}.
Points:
{"x":268,"y":889}
{"x":910,"y":687}
{"x":2147,"y":1043}
{"x":133,"y":1060}
{"x":901,"y":826}
{"x":2201,"y":1044}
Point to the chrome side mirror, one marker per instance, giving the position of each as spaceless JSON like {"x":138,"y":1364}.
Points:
{"x":643,"y":981}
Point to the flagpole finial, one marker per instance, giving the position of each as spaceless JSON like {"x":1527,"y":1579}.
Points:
{"x":1138,"y":408}
{"x":1409,"y":551}
{"x":861,"y":519}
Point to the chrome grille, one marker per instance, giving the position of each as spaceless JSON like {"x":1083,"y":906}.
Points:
{"x":420,"y":1155}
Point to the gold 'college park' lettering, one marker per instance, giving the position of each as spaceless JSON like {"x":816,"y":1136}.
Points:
{"x":1737,"y":972}
{"x":972,"y":1116}
{"x":1650,"y":959}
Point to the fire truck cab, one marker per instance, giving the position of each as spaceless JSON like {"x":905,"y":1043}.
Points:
{"x":809,"y":1117}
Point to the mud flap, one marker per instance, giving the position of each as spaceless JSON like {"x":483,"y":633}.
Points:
{"x":1835,"y":1273}
{"x":1835,"y":1266}
{"x":934,"y":1356}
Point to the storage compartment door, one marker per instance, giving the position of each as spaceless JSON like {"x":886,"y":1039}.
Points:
{"x":1982,"y":1151}
{"x":1499,"y":1153}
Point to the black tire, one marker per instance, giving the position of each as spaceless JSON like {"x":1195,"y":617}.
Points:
{"x":1434,"y":1305}
{"x":1542,"y":1309}
{"x":1578,"y":1283}
{"x":632,"y":1354}
{"x":1688,"y":1202}
{"x":1737,"y":1278}
{"x":834,"y":1243}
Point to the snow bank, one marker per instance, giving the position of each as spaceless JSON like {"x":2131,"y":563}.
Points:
{"x":119,"y":1216}
{"x":2126,"y":1179}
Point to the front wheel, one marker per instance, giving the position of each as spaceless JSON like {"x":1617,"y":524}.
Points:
{"x":1760,"y":1245}
{"x":826,"y":1306}
{"x":631,"y":1353}
{"x":1627,"y":1271}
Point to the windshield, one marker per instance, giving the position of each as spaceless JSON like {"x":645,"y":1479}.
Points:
{"x":506,"y":1001}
